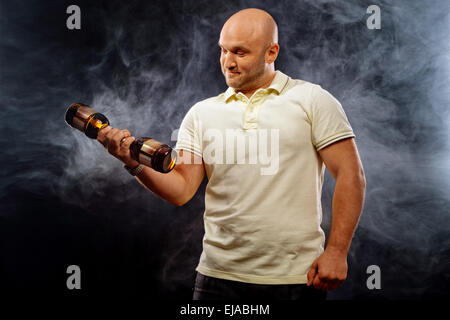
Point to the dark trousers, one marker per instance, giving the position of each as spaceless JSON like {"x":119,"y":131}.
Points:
{"x":209,"y":288}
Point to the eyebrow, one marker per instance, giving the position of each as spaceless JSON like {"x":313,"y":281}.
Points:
{"x":234,"y":48}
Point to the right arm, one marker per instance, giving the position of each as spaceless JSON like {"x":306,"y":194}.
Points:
{"x":177,"y":187}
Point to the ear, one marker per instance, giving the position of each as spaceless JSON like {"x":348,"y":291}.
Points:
{"x":272,"y":53}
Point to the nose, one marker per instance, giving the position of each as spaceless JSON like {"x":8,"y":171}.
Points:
{"x":229,"y":62}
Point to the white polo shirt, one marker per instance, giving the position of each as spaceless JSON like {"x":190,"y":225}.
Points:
{"x":263,"y":198}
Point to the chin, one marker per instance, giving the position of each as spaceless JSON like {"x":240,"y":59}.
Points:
{"x":232,"y":83}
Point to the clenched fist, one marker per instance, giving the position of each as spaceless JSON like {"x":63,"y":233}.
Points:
{"x":329,"y":270}
{"x":118,"y":142}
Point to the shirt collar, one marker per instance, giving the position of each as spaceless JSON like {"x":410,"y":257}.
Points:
{"x":278,"y":83}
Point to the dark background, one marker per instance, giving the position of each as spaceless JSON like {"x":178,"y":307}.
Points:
{"x":65,"y":201}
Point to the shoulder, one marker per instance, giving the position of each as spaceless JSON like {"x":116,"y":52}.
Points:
{"x":302,"y":87}
{"x":208,"y":103}
{"x":302,"y":92}
{"x":216,"y":99}
{"x":313,"y":91}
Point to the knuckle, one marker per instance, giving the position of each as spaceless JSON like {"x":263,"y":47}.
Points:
{"x":103,"y":131}
{"x":108,"y":135}
{"x":112,"y":148}
{"x":113,"y":131}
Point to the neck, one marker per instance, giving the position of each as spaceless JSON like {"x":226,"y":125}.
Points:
{"x":265,"y":83}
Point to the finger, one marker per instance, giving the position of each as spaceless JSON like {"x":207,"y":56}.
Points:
{"x":127,"y":141}
{"x":110,"y":144}
{"x":332,"y":286}
{"x":124,"y":134}
{"x":114,"y":137}
{"x":101,"y":135}
{"x":311,"y":274}
{"x":124,"y":153}
{"x":122,"y":141}
{"x":110,"y":134}
{"x":325,"y":285}
{"x":336,"y":284}
{"x":119,"y":134}
{"x":317,"y":283}
{"x":324,"y":275}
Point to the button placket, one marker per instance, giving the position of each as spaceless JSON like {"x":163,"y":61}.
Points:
{"x":250,"y":109}
{"x":251,"y":116}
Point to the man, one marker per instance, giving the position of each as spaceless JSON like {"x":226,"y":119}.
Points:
{"x":262,"y":228}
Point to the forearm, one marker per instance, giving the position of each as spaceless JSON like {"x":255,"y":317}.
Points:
{"x":169,"y":186}
{"x":347,"y":205}
{"x":173,"y":186}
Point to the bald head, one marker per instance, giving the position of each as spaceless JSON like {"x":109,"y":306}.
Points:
{"x":253,"y":24}
{"x":249,"y":47}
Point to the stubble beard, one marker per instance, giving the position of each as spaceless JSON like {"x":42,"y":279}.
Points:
{"x":249,"y":80}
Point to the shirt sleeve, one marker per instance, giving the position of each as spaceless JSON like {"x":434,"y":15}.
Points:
{"x":189,"y":134}
{"x":329,"y":122}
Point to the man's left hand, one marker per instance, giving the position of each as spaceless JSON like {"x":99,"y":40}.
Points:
{"x":329,"y":270}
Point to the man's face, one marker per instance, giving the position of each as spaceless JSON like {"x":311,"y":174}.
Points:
{"x":242,"y":59}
